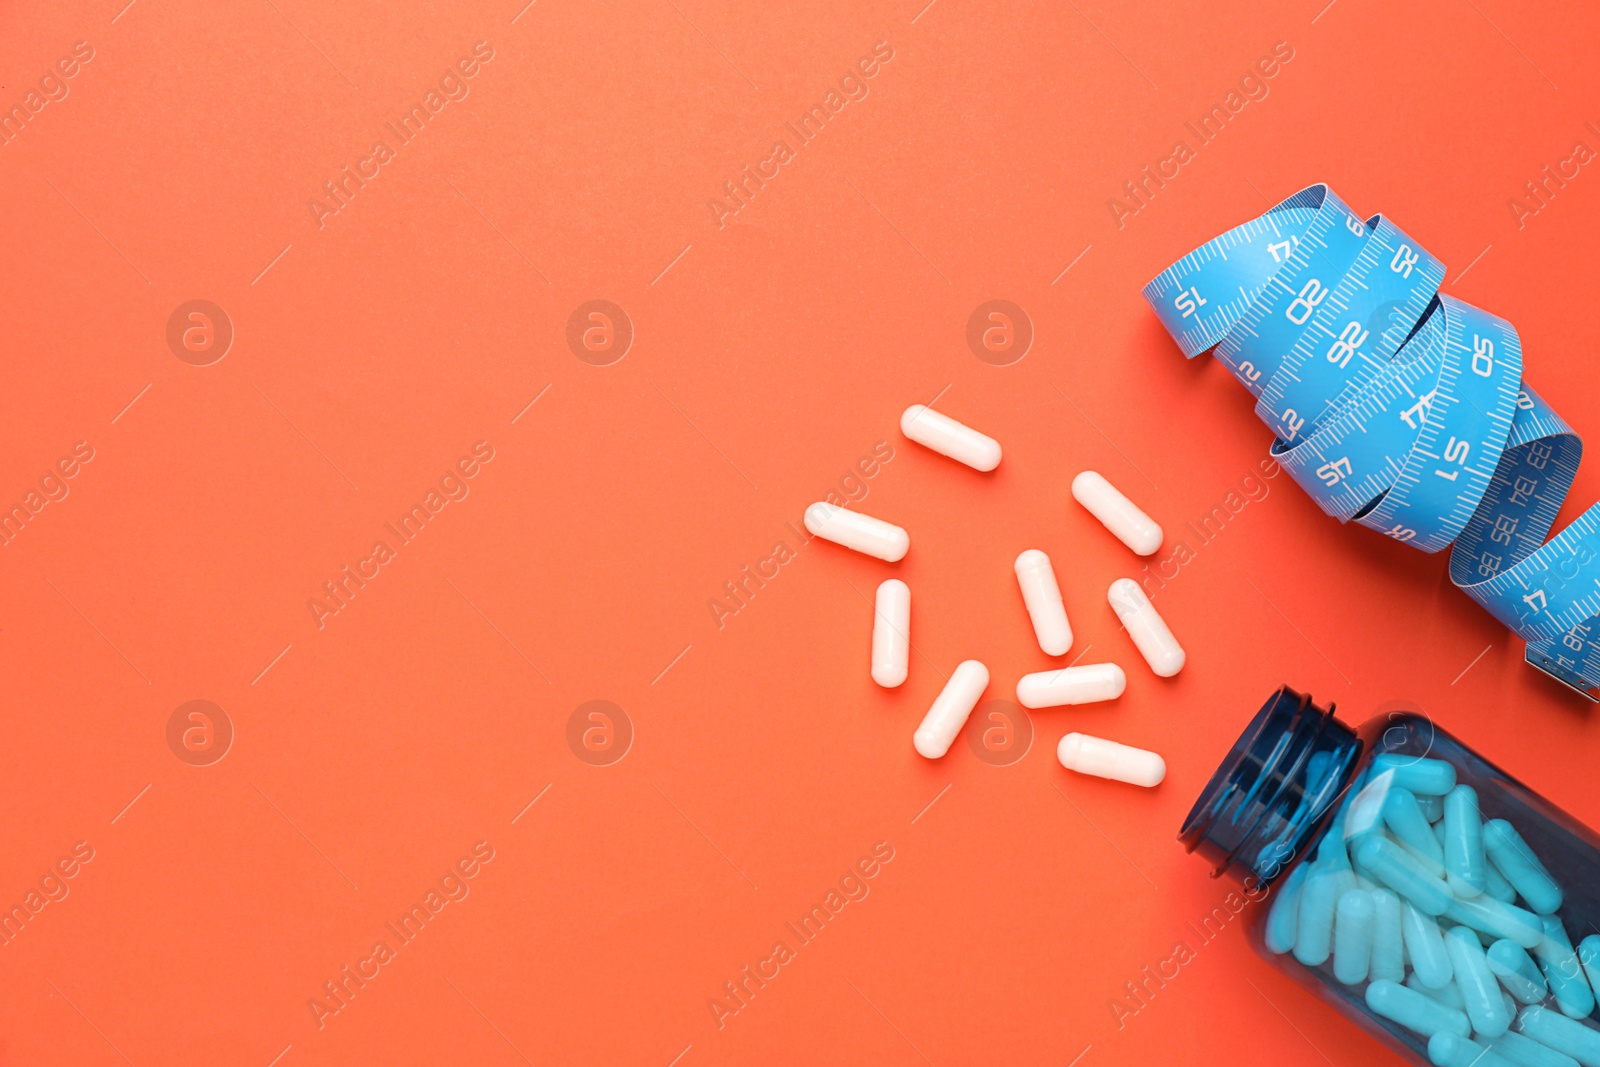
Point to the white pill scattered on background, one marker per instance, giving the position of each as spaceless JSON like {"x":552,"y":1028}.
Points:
{"x":1109,"y":759}
{"x":950,"y":710}
{"x":891,"y":633}
{"x":1071,"y":685}
{"x":865,"y":534}
{"x":1147,"y":628}
{"x":1042,"y":595}
{"x":1119,"y":514}
{"x":948,"y":437}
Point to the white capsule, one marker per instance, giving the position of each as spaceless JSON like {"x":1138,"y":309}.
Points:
{"x":865,"y":534}
{"x":1043,"y":597}
{"x":891,"y":633}
{"x":948,"y":437}
{"x":1071,"y":685}
{"x":950,"y":710}
{"x":1147,"y":628}
{"x":1119,"y":514}
{"x":1108,"y":759}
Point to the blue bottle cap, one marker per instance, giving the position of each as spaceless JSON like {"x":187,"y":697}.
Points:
{"x":1278,"y":782}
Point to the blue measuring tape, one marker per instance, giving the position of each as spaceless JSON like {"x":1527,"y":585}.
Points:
{"x":1400,"y":408}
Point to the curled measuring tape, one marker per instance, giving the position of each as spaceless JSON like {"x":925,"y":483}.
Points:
{"x":1400,"y":408}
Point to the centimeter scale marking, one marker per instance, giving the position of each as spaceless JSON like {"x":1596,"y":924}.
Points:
{"x":1400,"y":408}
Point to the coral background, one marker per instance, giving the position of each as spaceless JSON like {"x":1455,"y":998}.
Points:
{"x":770,"y":354}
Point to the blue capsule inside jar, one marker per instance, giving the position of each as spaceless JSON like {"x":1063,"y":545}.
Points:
{"x":1421,"y":890}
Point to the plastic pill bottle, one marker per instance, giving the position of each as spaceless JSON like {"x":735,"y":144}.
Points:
{"x":1446,"y":908}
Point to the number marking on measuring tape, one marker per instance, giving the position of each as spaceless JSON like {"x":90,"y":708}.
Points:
{"x":1400,"y":408}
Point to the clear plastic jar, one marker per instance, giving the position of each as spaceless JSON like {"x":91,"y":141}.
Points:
{"x":1419,"y":889}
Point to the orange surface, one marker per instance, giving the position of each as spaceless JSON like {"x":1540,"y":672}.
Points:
{"x":389,"y":749}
